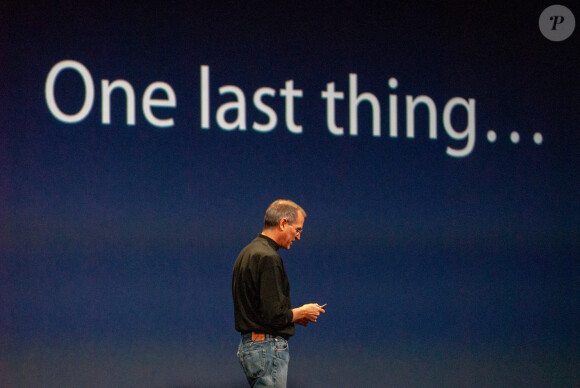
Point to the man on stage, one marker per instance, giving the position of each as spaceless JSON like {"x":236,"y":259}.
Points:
{"x":263,"y":313}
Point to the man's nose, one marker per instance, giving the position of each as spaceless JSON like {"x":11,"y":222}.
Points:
{"x":298,"y":236}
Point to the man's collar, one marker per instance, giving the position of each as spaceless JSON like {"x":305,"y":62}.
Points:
{"x":270,"y":242}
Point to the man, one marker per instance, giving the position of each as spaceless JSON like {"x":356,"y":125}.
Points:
{"x":261,"y":292}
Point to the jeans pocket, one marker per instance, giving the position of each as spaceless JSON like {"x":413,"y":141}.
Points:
{"x":253,"y":360}
{"x":281,"y":345}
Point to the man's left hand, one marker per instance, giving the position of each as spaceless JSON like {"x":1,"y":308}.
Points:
{"x":302,"y":322}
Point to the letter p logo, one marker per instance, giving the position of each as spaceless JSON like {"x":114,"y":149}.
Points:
{"x":557,"y":20}
{"x":557,"y":23}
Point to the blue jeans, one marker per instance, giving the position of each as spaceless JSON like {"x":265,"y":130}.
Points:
{"x":265,"y":363}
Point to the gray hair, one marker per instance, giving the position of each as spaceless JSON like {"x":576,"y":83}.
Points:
{"x":280,"y":209}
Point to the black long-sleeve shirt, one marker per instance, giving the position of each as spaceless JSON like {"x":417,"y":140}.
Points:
{"x":261,"y":290}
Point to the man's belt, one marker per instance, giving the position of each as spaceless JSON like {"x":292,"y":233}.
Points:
{"x":262,"y":336}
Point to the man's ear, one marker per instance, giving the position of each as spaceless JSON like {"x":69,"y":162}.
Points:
{"x":282,"y":224}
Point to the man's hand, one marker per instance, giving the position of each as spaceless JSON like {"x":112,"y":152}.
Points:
{"x":302,"y":322}
{"x":307,"y":313}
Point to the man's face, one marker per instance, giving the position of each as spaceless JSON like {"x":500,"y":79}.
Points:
{"x":291,"y":231}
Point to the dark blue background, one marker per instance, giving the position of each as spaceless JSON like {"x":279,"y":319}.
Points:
{"x":117,"y":242}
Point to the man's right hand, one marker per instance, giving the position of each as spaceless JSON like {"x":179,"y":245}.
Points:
{"x":309,"y":312}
